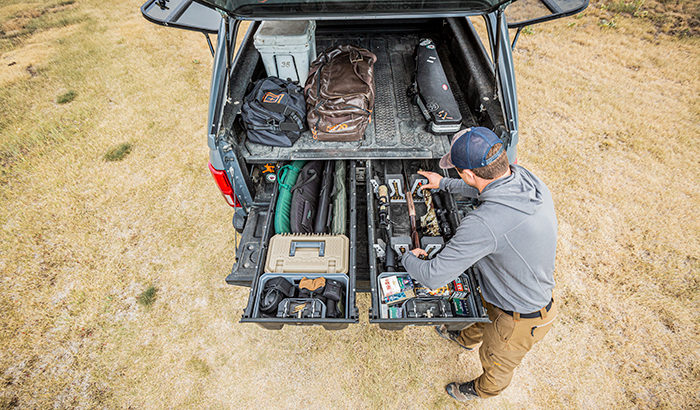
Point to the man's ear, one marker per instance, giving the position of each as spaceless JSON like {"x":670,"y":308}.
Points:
{"x":468,"y":176}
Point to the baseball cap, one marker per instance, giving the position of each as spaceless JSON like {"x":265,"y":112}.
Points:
{"x":470,"y":148}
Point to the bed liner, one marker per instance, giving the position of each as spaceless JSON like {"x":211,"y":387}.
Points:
{"x":397,"y":130}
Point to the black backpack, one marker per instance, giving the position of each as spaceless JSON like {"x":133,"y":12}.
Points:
{"x":273,"y":112}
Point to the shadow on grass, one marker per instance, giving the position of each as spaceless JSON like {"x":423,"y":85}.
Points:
{"x":67,"y":97}
{"x":119,"y":152}
{"x":147,"y":297}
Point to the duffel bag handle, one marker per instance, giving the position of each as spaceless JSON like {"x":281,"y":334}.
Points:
{"x":355,"y":56}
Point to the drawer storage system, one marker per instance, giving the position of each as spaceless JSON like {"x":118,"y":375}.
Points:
{"x":389,"y":230}
{"x":395,"y":146}
{"x":312,"y":254}
{"x":285,"y":256}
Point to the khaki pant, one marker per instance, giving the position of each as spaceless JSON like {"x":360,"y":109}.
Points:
{"x":505,"y":343}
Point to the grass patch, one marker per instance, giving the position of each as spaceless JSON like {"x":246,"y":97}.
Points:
{"x":147,"y":297}
{"x":67,"y":97}
{"x":199,"y":366}
{"x":626,"y":7}
{"x":674,"y":17}
{"x":612,"y":23}
{"x":9,"y":403}
{"x":118,"y":153}
{"x":28,"y":121}
{"x":28,"y":19}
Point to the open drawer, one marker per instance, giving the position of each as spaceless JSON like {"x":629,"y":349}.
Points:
{"x":292,"y":271}
{"x":400,"y":177}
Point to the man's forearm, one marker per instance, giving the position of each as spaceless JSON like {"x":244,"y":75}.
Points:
{"x":458,"y":186}
{"x":472,"y":241}
{"x":421,"y":272}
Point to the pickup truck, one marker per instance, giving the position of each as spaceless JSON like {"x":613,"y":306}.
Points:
{"x":397,"y":140}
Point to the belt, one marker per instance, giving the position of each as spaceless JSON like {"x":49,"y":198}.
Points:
{"x":532,"y":315}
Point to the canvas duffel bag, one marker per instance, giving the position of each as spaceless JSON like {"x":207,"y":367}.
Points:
{"x":339,"y":200}
{"x":273,"y":112}
{"x":340,"y":93}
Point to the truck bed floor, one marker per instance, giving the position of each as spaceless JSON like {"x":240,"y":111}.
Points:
{"x":397,"y":129}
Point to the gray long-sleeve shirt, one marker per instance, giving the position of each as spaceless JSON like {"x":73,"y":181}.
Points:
{"x":511,"y":238}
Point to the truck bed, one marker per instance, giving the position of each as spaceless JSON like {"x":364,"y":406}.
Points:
{"x":397,"y":133}
{"x":397,"y":130}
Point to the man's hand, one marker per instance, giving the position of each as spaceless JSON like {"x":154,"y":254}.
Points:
{"x":433,"y":180}
{"x":419,"y":252}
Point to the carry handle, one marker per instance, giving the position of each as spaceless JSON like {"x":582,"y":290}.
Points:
{"x":321,"y":245}
{"x":355,"y":56}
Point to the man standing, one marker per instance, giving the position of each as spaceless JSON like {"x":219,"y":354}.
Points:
{"x":510,"y":239}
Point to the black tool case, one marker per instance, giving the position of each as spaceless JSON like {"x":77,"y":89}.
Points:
{"x":251,"y":314}
{"x":398,"y":214}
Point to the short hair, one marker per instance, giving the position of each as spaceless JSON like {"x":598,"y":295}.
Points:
{"x":495,"y":169}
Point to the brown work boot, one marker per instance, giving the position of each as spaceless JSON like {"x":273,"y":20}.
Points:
{"x":462,"y":392}
{"x":450,"y":335}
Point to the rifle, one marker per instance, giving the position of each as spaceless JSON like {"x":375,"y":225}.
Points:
{"x":452,"y":214}
{"x":383,"y":193}
{"x":411,"y":212}
{"x":441,"y":213}
{"x":322,"y":224}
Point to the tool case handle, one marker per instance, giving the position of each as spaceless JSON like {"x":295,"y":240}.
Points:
{"x":294,"y":245}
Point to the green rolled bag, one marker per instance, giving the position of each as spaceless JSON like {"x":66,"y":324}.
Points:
{"x":339,"y":200}
{"x":286,"y":178}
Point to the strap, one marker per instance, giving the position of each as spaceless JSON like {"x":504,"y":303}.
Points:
{"x":355,"y":62}
{"x":289,"y":126}
{"x":314,"y":131}
{"x":423,"y":109}
{"x":330,"y":215}
{"x":295,"y":187}
{"x":532,"y":315}
{"x":268,"y":127}
{"x":283,"y":174}
{"x":295,"y":116}
{"x":273,"y":125}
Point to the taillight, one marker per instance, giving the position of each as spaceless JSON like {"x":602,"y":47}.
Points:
{"x":225,"y":186}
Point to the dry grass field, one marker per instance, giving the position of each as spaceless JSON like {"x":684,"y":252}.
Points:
{"x":112,"y":271}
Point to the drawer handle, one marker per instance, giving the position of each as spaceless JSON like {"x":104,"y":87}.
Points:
{"x":303,"y":244}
